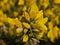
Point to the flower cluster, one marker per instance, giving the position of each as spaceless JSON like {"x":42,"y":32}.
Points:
{"x":28,"y":21}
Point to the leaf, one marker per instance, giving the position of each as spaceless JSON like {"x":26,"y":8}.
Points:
{"x":31,"y":42}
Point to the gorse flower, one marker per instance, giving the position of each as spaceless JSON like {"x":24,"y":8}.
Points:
{"x":28,"y":21}
{"x":25,"y":38}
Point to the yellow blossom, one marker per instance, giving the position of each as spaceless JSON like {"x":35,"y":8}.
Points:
{"x":1,"y":12}
{"x":57,"y":1}
{"x":25,"y":30}
{"x":50,"y":25}
{"x":19,"y":30}
{"x":30,"y":2}
{"x":25,"y":8}
{"x":26,"y":25}
{"x":40,"y":35}
{"x":25,"y":38}
{"x":45,"y":3}
{"x":57,"y":19}
{"x":53,"y":34}
{"x":17,"y":22}
{"x":21,"y":2}
{"x":39,"y":15}
{"x":26,"y":15}
{"x":50,"y":13}
{"x":10,"y":21}
{"x":33,"y":11}
{"x":5,"y":1}
{"x":15,"y":13}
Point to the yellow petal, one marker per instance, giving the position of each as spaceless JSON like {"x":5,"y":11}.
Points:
{"x":56,"y":31}
{"x":39,"y":35}
{"x":51,"y":36}
{"x":50,"y":25}
{"x":45,"y":20}
{"x":57,"y":19}
{"x":39,"y":15}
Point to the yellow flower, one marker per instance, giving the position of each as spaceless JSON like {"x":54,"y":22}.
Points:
{"x":50,"y":25}
{"x":50,"y":13}
{"x":25,"y":38}
{"x":17,"y":22}
{"x":26,"y":25}
{"x":45,"y":3}
{"x":39,"y":25}
{"x":11,"y":21}
{"x":26,"y":15}
{"x":53,"y":34}
{"x":11,"y":26}
{"x":56,"y":31}
{"x":25,"y":8}
{"x":30,"y":2}
{"x":40,"y":35}
{"x":1,"y":12}
{"x":15,"y":13}
{"x":19,"y":30}
{"x":33,"y":11}
{"x":3,"y":17}
{"x":57,"y":19}
{"x":5,"y":1}
{"x":57,"y":1}
{"x":40,"y":21}
{"x":25,"y":30}
{"x":39,"y":15}
{"x":21,"y":2}
{"x":43,"y":27}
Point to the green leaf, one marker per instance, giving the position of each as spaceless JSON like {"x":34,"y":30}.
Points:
{"x":31,"y":42}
